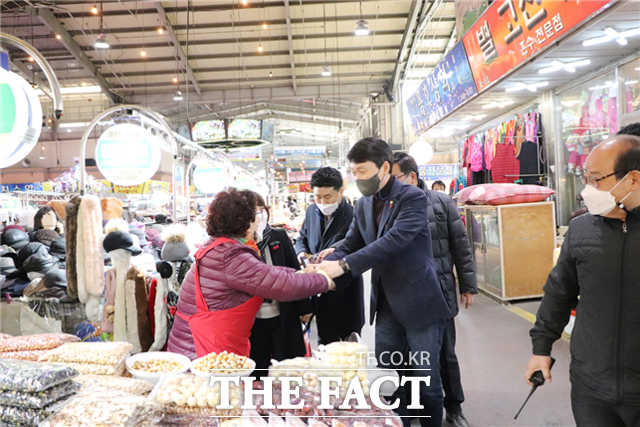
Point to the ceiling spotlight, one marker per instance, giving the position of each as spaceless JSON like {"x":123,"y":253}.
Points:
{"x":244,"y":2}
{"x":177,"y":96}
{"x":160,"y":30}
{"x":259,"y":48}
{"x":264,"y":26}
{"x":31,"y":59}
{"x":611,"y":34}
{"x":175,"y":80}
{"x":326,"y":71}
{"x":569,"y":67}
{"x":101,"y":42}
{"x":143,"y":53}
{"x":270,"y":73}
{"x":94,"y":10}
{"x":58,"y":36}
{"x":530,"y":87}
{"x":361,"y":28}
{"x":84,"y":83}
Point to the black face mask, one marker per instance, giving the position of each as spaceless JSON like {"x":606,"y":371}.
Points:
{"x":369,"y":187}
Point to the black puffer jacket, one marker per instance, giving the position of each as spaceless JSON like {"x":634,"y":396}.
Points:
{"x":450,"y":246}
{"x":600,"y":262}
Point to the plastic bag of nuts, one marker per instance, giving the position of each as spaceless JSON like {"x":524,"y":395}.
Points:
{"x":36,"y":342}
{"x":129,"y":385}
{"x":193,"y":391}
{"x":22,"y":375}
{"x":103,"y":407}
{"x":39,"y":399}
{"x":32,"y":355}
{"x":96,"y":369}
{"x":101,"y":353}
{"x":15,"y":415}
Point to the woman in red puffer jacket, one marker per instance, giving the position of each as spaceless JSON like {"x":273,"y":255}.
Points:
{"x":233,"y":280}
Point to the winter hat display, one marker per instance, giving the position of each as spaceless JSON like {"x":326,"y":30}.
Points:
{"x":151,"y":233}
{"x":157,"y":242}
{"x":89,"y":260}
{"x":45,"y":236}
{"x":30,"y":249}
{"x":71,"y":236}
{"x":161,"y":219}
{"x":17,"y":239}
{"x":55,"y":278}
{"x":7,"y":266}
{"x":13,"y":227}
{"x":118,"y":237}
{"x":8,"y":251}
{"x":175,"y":248}
{"x":57,"y":248}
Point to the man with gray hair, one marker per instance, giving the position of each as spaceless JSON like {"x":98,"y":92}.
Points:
{"x":599,"y":264}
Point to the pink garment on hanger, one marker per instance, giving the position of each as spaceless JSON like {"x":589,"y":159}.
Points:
{"x":612,"y":113}
{"x":476,"y":157}
{"x":489,"y":149}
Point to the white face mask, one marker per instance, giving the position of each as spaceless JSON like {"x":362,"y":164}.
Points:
{"x":601,"y":202}
{"x":262,"y":226}
{"x":328,"y":209}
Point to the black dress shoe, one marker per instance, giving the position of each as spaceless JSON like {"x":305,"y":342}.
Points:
{"x":457,"y":420}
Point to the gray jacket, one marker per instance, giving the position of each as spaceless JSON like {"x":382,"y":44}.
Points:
{"x":598,"y":262}
{"x":450,"y":246}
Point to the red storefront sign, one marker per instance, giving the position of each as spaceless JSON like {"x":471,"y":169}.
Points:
{"x":512,"y":31}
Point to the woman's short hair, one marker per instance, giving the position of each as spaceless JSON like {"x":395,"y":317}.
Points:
{"x":37,"y":220}
{"x":231,"y":213}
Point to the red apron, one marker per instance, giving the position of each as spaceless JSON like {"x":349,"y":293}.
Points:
{"x":217,"y":331}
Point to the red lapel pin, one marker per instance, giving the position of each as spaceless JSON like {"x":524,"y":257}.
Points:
{"x":391,"y":204}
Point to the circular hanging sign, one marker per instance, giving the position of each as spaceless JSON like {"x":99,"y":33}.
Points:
{"x":127,"y":154}
{"x":211,"y":178}
{"x":34,"y":126}
{"x":14,"y":113}
{"x":244,"y":181}
{"x":160,"y":197}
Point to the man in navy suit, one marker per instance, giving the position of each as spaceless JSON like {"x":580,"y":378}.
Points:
{"x":390,"y":235}
{"x":327,"y":221}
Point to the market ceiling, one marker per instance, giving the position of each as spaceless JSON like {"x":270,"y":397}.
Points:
{"x":270,"y":58}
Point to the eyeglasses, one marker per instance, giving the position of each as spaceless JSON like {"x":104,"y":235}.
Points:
{"x":594,"y":182}
{"x":400,"y":176}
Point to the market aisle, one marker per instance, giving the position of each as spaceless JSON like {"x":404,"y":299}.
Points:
{"x":493,"y":348}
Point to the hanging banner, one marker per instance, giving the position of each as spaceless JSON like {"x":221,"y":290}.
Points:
{"x":510,"y":32}
{"x":180,"y":199}
{"x":438,"y":172}
{"x":448,"y":86}
{"x":127,"y":154}
{"x":8,"y":188}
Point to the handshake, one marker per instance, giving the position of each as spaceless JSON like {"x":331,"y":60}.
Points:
{"x":332,"y":268}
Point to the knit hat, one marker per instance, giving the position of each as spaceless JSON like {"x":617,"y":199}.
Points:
{"x":161,"y":219}
{"x":8,"y":251}
{"x":39,"y":263}
{"x":57,"y":248}
{"x":157,"y":241}
{"x":151,"y":233}
{"x":141,"y":236}
{"x":31,"y":249}
{"x":158,"y":227}
{"x":118,"y":237}
{"x":55,"y":277}
{"x":17,"y":239}
{"x":14,"y":227}
{"x":175,"y":247}
{"x":45,"y":236}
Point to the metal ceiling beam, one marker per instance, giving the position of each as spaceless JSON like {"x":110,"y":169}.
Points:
{"x":252,"y":80}
{"x":287,"y":16}
{"x":248,"y":68}
{"x":359,"y":90}
{"x":33,"y":77}
{"x":52,"y":22}
{"x":406,"y":38}
{"x":216,"y":25}
{"x":164,"y":21}
{"x":58,"y":55}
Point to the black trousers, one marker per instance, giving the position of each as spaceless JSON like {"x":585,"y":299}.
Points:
{"x":450,"y":370}
{"x":267,"y":342}
{"x":589,"y":411}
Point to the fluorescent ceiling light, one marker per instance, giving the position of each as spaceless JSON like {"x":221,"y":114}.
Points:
{"x":80,"y":124}
{"x":631,"y":82}
{"x":611,"y":34}
{"x":567,"y":66}
{"x":326,"y":71}
{"x":75,"y":90}
{"x":497,"y":104}
{"x":101,"y":42}
{"x":472,"y":117}
{"x":361,"y":28}
{"x":533,"y":87}
{"x":570,"y":103}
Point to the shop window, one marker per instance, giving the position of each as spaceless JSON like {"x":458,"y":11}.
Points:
{"x":630,"y":78}
{"x":589,"y":116}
